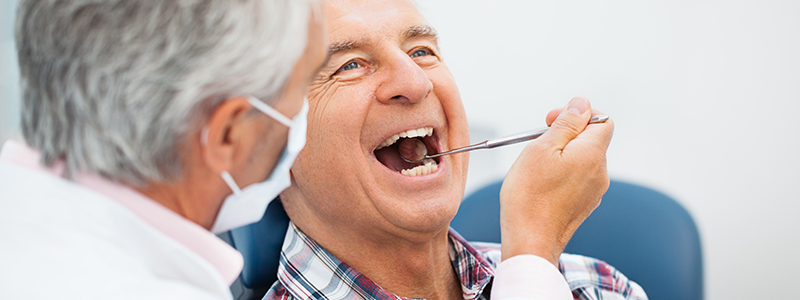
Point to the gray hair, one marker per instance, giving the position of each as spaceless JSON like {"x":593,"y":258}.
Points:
{"x":112,"y":87}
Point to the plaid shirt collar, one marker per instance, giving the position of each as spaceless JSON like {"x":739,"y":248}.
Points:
{"x":308,"y":271}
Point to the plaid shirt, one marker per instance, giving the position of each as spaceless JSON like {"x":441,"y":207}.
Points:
{"x":307,"y":271}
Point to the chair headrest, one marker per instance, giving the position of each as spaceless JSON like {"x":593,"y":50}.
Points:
{"x":260,"y":244}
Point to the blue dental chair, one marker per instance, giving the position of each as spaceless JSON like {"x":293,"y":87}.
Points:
{"x":645,"y":234}
{"x":260,"y":244}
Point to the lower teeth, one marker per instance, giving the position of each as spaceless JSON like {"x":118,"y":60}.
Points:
{"x":428,"y":166}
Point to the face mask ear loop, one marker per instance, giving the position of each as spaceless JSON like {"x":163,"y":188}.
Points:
{"x":225,"y":175}
{"x":266,"y":109}
{"x":231,"y":184}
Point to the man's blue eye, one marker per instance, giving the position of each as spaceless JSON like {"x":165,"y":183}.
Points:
{"x":419,"y":53}
{"x":351,"y":65}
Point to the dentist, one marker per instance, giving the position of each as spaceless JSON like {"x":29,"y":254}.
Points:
{"x":149,"y":126}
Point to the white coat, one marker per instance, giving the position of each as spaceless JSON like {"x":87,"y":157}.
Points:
{"x":60,"y":240}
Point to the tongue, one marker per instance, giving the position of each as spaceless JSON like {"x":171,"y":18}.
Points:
{"x":390,"y":157}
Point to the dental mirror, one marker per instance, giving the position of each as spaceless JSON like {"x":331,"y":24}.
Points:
{"x":415,"y":151}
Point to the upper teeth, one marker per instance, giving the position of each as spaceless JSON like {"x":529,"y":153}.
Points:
{"x":420,"y":132}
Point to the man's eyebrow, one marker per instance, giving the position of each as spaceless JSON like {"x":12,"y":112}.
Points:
{"x":343,"y":45}
{"x":421,"y":31}
{"x":410,"y":32}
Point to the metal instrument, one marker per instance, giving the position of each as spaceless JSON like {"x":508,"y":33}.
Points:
{"x":489,"y":144}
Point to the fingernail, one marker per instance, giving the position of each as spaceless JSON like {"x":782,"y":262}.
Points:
{"x":578,"y":105}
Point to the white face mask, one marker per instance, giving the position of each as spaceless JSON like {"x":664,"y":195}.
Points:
{"x":246,"y":206}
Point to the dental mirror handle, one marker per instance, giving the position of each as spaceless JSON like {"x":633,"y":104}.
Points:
{"x":511,"y":139}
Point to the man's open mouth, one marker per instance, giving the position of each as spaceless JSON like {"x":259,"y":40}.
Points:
{"x":388,"y":153}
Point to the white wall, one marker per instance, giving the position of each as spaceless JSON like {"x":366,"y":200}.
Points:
{"x":705,"y":96}
{"x":9,"y":73}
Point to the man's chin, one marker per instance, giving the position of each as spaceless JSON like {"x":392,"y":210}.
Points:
{"x":422,"y":228}
{"x":421,"y":213}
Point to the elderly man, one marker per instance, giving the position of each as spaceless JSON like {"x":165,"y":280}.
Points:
{"x":149,"y":123}
{"x":368,"y":225}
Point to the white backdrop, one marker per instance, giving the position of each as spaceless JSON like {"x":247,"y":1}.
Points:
{"x":9,"y":73}
{"x":704,"y":95}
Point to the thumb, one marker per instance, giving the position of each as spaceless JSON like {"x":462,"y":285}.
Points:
{"x":569,"y":123}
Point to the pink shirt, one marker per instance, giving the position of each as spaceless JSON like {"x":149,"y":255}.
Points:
{"x":219,"y":254}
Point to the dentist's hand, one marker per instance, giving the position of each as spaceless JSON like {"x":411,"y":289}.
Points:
{"x":555,"y":184}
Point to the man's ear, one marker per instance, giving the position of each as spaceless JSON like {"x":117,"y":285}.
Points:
{"x":229,"y":135}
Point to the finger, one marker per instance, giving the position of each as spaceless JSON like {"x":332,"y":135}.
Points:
{"x":595,"y":136}
{"x":553,"y":114}
{"x":569,"y":123}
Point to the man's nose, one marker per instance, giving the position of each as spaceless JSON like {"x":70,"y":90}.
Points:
{"x":404,"y":82}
